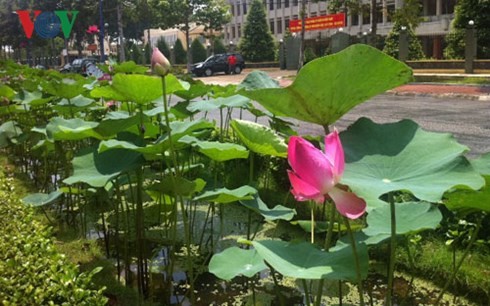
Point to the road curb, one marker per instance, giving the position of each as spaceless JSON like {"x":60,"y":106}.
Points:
{"x":438,"y":95}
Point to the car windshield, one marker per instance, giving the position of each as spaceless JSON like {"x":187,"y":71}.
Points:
{"x":77,"y":62}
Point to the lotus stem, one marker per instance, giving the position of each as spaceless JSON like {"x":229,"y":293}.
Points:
{"x":391,"y":267}
{"x":474,"y":235}
{"x":312,"y":223}
{"x":328,"y":242}
{"x":358,"y":263}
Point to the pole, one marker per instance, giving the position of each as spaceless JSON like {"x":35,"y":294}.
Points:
{"x":101,"y":32}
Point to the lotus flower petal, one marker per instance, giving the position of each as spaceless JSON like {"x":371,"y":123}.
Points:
{"x":347,"y":203}
{"x":335,"y":154}
{"x":303,"y":191}
{"x":159,"y":63}
{"x":310,"y":164}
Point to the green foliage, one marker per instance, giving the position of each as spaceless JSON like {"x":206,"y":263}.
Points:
{"x":198,"y":51}
{"x":135,"y":54}
{"x":32,"y":272}
{"x":163,"y":47}
{"x":148,"y":52}
{"x":219,"y":47}
{"x":391,"y":48}
{"x":465,"y":11}
{"x":309,"y":55}
{"x":180,"y":53}
{"x":257,"y":43}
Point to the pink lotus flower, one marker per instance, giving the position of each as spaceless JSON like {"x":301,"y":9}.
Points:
{"x":315,"y":175}
{"x":159,"y":63}
{"x":93,"y":29}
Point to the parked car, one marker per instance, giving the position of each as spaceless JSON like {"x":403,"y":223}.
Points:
{"x":218,"y":63}
{"x":79,"y":65}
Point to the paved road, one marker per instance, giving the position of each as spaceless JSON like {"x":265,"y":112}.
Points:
{"x":468,"y":120}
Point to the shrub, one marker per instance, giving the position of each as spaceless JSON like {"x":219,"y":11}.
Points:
{"x":198,"y":51}
{"x":32,"y":272}
{"x":180,"y":53}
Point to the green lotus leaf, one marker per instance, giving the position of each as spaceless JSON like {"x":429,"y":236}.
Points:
{"x":328,"y":87}
{"x":278,"y":212}
{"x":130,"y":67}
{"x":402,"y":157}
{"x":196,"y":89}
{"x":304,"y":260}
{"x":260,"y":139}
{"x":482,"y":164}
{"x":33,"y":98}
{"x":234,"y":261}
{"x":224,"y":195}
{"x":78,"y":101}
{"x":6,"y":91}
{"x":115,"y":122}
{"x":219,"y":151}
{"x":65,"y":88}
{"x":97,"y":169}
{"x":41,"y":199}
{"x":258,"y":80}
{"x":71,"y":129}
{"x":8,"y":131}
{"x":213,"y":104}
{"x":411,"y":218}
{"x":183,"y":186}
{"x":469,"y":201}
{"x":141,"y":89}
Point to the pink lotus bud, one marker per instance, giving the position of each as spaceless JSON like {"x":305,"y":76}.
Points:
{"x":159,"y":63}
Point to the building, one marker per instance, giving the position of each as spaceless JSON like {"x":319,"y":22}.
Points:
{"x":437,"y":16}
{"x":171,"y":35}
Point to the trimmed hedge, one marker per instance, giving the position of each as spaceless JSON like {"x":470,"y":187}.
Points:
{"x":32,"y":272}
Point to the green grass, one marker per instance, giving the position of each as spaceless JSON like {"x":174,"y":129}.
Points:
{"x":434,"y":260}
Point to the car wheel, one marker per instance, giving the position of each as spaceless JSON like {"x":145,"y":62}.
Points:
{"x":238,"y":70}
{"x":208,"y":72}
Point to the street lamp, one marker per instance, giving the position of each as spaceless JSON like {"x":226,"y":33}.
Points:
{"x":172,"y":55}
{"x":231,"y":46}
{"x":470,"y":47}
{"x":282,"y":57}
{"x":403,"y":44}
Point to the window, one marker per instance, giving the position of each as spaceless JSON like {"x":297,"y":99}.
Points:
{"x":379,"y":14}
{"x":238,"y":9}
{"x":239,"y":30}
{"x":279,"y":26}
{"x":312,"y":14}
{"x":366,"y":18}
{"x":391,"y":11}
{"x":278,"y":4}
{"x":244,"y":8}
{"x":233,"y":32}
{"x":286,"y":23}
{"x":286,"y":3}
{"x":232,"y":10}
{"x":295,"y":2}
{"x":271,"y":25}
{"x":354,"y":19}
{"x":271,"y":5}
{"x":323,"y":13}
{"x":295,"y":17}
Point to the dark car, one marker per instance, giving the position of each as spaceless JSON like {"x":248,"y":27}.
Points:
{"x":79,"y":65}
{"x":218,"y":63}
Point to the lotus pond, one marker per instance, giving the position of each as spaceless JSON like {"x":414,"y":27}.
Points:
{"x":241,"y":210}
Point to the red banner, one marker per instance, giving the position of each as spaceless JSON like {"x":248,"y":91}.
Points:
{"x":319,"y":23}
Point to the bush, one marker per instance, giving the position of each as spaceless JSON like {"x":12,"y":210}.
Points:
{"x":198,"y":51}
{"x":32,"y":272}
{"x":163,"y":47}
{"x":180,"y":53}
{"x":219,"y":47}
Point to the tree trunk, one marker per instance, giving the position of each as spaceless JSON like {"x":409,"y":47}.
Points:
{"x":122,"y":50}
{"x":374,"y":22}
{"x":189,"y":55}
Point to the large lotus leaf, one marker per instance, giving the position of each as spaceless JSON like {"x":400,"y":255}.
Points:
{"x":411,"y":218}
{"x":97,"y":169}
{"x":219,"y":151}
{"x":179,"y":130}
{"x":197,"y":89}
{"x":225,"y":195}
{"x":130,"y":67}
{"x":327,"y":88}
{"x":260,"y":139}
{"x":234,"y":261}
{"x":213,"y":104}
{"x":115,"y":122}
{"x":258,"y":80}
{"x":182,"y":187}
{"x":41,"y":199}
{"x":33,"y":98}
{"x":278,"y":212}
{"x":6,"y":91}
{"x":402,"y":157}
{"x":468,"y":201}
{"x":66,"y":88}
{"x":482,"y":164}
{"x":78,"y":101}
{"x":71,"y":129}
{"x":8,"y":131}
{"x":141,"y":89}
{"x":304,"y":260}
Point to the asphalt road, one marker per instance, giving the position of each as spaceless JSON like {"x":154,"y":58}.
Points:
{"x":468,"y":120}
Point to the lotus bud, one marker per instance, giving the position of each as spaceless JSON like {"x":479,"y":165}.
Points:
{"x":159,"y":63}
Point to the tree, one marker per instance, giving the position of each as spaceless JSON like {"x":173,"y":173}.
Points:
{"x":214,"y":15}
{"x":163,"y":47}
{"x":257,"y":43}
{"x":198,"y":51}
{"x":466,"y":10}
{"x":219,"y":47}
{"x":180,"y":53}
{"x":408,"y":16}
{"x":391,"y":48}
